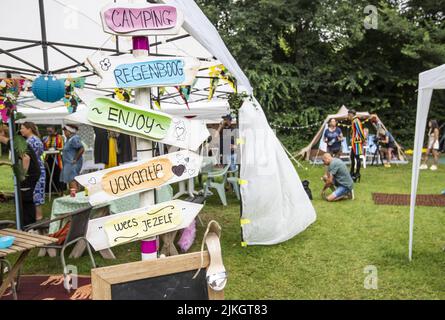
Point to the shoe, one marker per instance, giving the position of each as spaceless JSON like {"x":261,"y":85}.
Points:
{"x":216,"y":274}
{"x":433,"y":167}
{"x":350,"y":195}
{"x":387,"y":165}
{"x":423,"y":167}
{"x":357,"y":177}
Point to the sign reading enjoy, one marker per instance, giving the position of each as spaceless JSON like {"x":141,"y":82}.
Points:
{"x":114,"y":114}
{"x":128,"y":118}
{"x":141,"y":223}
{"x":127,"y":71}
{"x":135,"y":177}
{"x":141,"y":19}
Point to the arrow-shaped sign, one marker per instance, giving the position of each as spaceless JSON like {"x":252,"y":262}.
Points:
{"x":141,"y":19}
{"x":141,"y":223}
{"x":114,"y":183}
{"x":123,"y":117}
{"x":127,"y":71}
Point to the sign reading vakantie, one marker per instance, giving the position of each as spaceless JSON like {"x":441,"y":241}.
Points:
{"x":128,"y":118}
{"x":141,"y":223}
{"x":127,"y":71}
{"x":135,"y":177}
{"x":141,"y":19}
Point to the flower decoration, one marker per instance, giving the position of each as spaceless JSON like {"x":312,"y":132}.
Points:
{"x":105,"y":64}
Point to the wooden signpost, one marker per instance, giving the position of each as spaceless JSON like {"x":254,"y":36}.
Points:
{"x":128,"y":71}
{"x":110,"y":231}
{"x":140,"y":176}
{"x":123,"y":117}
{"x":141,"y":19}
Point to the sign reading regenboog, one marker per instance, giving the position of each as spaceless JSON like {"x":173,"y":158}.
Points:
{"x":127,"y":71}
{"x":141,"y":19}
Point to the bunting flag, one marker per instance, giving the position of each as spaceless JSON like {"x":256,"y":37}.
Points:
{"x":220,"y":72}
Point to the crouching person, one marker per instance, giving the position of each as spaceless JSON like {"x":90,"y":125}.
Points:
{"x":337,"y":178}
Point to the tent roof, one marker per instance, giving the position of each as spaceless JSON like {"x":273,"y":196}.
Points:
{"x":73,"y":31}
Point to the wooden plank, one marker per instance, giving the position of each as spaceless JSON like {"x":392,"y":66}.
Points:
{"x":101,"y":289}
{"x":47,"y":240}
{"x":147,"y":269}
{"x":27,"y":240}
{"x":5,"y":252}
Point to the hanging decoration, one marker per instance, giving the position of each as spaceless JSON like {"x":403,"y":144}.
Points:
{"x":122,"y":94}
{"x":70,"y":99}
{"x":48,"y":88}
{"x":9,"y":91}
{"x":217,"y":73}
{"x":157,"y":100}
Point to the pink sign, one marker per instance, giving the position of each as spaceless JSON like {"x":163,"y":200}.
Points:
{"x":125,"y":20}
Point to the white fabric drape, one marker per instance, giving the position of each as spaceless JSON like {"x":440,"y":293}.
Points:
{"x":274,"y":202}
{"x":428,"y":81}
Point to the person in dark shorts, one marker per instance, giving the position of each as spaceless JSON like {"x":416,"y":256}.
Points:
{"x":333,"y":138}
{"x":388,"y":145}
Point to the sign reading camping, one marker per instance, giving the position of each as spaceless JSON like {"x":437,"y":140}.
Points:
{"x":136,"y":226}
{"x":141,"y":19}
{"x":135,"y":177}
{"x":128,"y":118}
{"x":127,"y":71}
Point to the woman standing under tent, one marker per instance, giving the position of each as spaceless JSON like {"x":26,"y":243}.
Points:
{"x":433,"y":146}
{"x":31,"y":133}
{"x":71,"y":157}
{"x":333,"y":138}
{"x":358,"y":138}
{"x":31,"y":168}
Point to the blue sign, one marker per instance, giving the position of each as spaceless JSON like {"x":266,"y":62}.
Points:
{"x":150,"y":73}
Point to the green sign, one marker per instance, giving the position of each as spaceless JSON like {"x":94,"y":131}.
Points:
{"x":119,"y":116}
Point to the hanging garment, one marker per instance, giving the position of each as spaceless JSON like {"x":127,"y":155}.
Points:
{"x":101,"y":146}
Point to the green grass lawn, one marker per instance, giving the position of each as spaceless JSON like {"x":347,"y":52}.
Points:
{"x":328,"y":260}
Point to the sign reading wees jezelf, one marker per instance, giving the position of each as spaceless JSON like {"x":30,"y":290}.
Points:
{"x":128,"y":118}
{"x":135,"y":177}
{"x":127,"y":71}
{"x":141,"y":19}
{"x":141,"y":223}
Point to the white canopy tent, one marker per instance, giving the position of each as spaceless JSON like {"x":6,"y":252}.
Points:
{"x":275,"y":206}
{"x":428,"y":81}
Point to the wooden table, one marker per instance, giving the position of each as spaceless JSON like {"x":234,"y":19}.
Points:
{"x":23,"y":243}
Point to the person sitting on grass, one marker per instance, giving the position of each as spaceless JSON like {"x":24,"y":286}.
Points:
{"x":337,"y":178}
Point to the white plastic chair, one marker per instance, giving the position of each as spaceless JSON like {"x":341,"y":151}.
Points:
{"x":218,"y":186}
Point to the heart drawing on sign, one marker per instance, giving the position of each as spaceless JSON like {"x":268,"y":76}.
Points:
{"x":92,"y":180}
{"x":191,"y":172}
{"x":178,"y":170}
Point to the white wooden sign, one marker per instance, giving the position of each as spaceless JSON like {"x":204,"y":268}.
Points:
{"x":141,"y":223}
{"x":127,"y":71}
{"x":123,"y":117}
{"x":141,"y":19}
{"x":114,"y":183}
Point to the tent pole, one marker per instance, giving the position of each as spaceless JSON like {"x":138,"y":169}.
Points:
{"x":18,"y":195}
{"x":43,"y":32}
